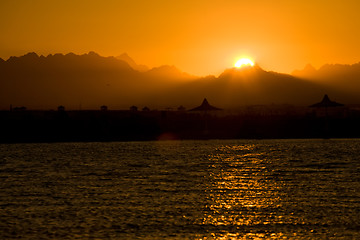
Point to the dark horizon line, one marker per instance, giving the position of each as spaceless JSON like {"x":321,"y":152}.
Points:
{"x":148,"y":109}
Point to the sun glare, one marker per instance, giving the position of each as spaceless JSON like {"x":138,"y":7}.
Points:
{"x":244,"y":62}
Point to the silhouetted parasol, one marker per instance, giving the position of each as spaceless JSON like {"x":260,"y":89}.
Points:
{"x":326,"y":102}
{"x":205,"y":106}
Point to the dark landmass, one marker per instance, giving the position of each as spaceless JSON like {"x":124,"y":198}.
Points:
{"x":40,"y":82}
{"x":255,"y":103}
{"x":89,"y":80}
{"x":255,"y":122}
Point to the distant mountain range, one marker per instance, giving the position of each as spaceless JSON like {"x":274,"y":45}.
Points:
{"x":124,"y":57}
{"x":344,"y":78}
{"x":88,"y":81}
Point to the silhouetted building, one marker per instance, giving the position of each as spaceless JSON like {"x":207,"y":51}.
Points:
{"x":181,"y":108}
{"x":20,"y":108}
{"x":61,"y":108}
{"x":133,"y":108}
{"x":103,"y":108}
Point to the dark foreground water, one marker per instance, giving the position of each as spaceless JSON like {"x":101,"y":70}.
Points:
{"x":229,"y":189}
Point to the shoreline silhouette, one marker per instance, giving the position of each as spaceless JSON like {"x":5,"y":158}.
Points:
{"x":246,"y":102}
{"x":203,"y":122}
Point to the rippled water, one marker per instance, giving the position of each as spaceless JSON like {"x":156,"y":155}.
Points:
{"x":181,"y":190}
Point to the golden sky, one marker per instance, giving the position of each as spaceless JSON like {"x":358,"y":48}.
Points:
{"x":199,"y":37}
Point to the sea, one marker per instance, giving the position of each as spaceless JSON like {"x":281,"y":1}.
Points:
{"x":203,"y":189}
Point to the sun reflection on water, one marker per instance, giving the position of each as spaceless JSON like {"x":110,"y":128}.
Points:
{"x":241,"y":194}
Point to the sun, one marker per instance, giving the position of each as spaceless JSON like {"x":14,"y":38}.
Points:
{"x":244,"y":62}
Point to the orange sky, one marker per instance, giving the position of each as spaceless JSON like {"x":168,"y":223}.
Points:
{"x":199,"y":37}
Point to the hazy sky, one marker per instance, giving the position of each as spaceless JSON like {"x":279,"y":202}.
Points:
{"x":200,"y":37}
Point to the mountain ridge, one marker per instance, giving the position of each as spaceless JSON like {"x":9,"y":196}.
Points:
{"x":91,"y":80}
{"x":345,"y":77}
{"x":126,"y":58}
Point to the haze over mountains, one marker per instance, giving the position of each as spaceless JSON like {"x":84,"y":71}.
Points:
{"x":88,"y":81}
{"x":343,"y":78}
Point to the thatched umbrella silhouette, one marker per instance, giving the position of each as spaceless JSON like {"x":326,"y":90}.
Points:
{"x":205,"y":107}
{"x":326,"y":103}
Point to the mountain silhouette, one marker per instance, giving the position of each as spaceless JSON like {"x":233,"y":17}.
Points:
{"x":307,"y":71}
{"x":337,"y":77}
{"x":251,"y":85}
{"x":126,"y":58}
{"x":90,"y":81}
{"x":166,"y":71}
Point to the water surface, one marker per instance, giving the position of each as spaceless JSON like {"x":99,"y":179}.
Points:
{"x":228,"y":189}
